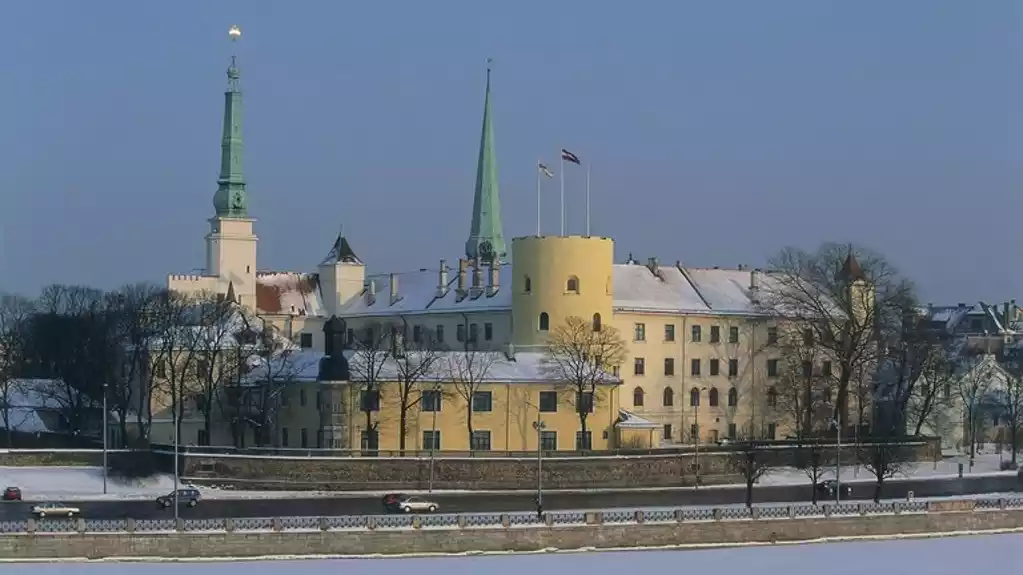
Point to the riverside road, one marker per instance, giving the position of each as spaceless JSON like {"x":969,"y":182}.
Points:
{"x":519,"y":501}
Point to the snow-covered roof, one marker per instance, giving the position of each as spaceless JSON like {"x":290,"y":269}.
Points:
{"x":32,"y":405}
{"x":418,"y":293}
{"x":629,"y":420}
{"x":288,"y":293}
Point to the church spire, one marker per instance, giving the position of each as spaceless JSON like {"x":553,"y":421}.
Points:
{"x":230,"y":200}
{"x":486,"y":240}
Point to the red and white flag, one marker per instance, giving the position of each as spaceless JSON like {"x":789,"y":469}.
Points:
{"x":567,"y":156}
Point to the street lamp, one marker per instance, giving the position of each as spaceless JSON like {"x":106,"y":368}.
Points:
{"x":837,"y":422}
{"x":539,"y":426}
{"x":433,"y":440}
{"x":696,"y":441}
{"x":105,"y":433}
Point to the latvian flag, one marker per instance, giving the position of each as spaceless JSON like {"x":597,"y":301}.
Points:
{"x":567,"y":156}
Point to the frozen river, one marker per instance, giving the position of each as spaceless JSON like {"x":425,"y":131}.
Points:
{"x":995,"y":554}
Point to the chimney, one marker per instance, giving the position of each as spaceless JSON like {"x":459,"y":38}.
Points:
{"x":962,"y":305}
{"x":394,"y":289}
{"x":477,"y":280}
{"x":494,"y":282}
{"x":754,"y":286}
{"x":742,"y":267}
{"x":442,"y":279}
{"x":463,"y":266}
{"x":371,"y":291}
{"x":1005,"y":316}
{"x":652,"y":264}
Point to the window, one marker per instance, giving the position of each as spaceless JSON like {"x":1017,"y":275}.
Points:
{"x":202,"y":438}
{"x":772,"y":430}
{"x":284,"y":437}
{"x":669,"y":366}
{"x":369,"y":440}
{"x":639,"y":366}
{"x":733,"y":335}
{"x":369,"y":400}
{"x":417,"y":334}
{"x":637,"y":397}
{"x":430,"y":400}
{"x":368,"y":335}
{"x":304,"y":437}
{"x":596,"y":322}
{"x":584,"y":402}
{"x":694,"y":432}
{"x":733,"y":368}
{"x":440,"y":334}
{"x":160,"y":369}
{"x":639,"y":332}
{"x":669,"y":397}
{"x":431,"y":440}
{"x":712,"y":397}
{"x":319,"y":439}
{"x":548,"y":440}
{"x":697,"y":334}
{"x":583,"y":441}
{"x":482,"y":401}
{"x":694,"y":397}
{"x":488,"y":331}
{"x":301,"y":397}
{"x":527,"y":285}
{"x":826,"y":369}
{"x":772,"y":368}
{"x":807,"y":337}
{"x":285,"y":398}
{"x":694,"y":367}
{"x":715,"y":334}
{"x":667,"y":431}
{"x":733,"y":397}
{"x":669,"y":332}
{"x":827,"y":395}
{"x":946,"y":392}
{"x":807,"y":369}
{"x":350,"y":336}
{"x":460,"y":332}
{"x":772,"y":335}
{"x":545,"y":321}
{"x":715,"y":367}
{"x":480,"y":441}
{"x":306,"y":340}
{"x":731,"y":431}
{"x":572,"y":285}
{"x":772,"y":397}
{"x":548,"y":401}
{"x":474,"y":332}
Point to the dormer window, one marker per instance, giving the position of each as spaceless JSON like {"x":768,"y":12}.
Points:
{"x":572,"y":285}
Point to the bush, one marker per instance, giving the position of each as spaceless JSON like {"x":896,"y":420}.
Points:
{"x":134,"y":464}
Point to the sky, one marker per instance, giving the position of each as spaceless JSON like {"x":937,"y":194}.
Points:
{"x":717,"y":132}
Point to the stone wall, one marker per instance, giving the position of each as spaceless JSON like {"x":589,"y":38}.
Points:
{"x":353,"y":473}
{"x":32,"y":458}
{"x":220,"y":545}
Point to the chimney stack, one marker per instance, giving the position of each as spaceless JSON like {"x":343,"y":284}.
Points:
{"x":962,"y":305}
{"x":494,"y":281}
{"x":477,"y":280}
{"x":371,"y":291}
{"x":1005,"y":316}
{"x":442,"y":279}
{"x":463,"y":266}
{"x":394,"y":289}
{"x":754,"y":286}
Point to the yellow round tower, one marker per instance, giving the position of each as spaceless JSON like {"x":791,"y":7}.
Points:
{"x":557,"y":277}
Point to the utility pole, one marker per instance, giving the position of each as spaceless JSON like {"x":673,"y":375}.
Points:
{"x":539,"y":426}
{"x":838,"y":456}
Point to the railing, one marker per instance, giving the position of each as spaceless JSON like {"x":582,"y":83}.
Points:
{"x":498,"y":520}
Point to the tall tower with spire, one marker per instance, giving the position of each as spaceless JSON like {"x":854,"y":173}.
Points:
{"x":486,"y":239}
{"x":231,"y":243}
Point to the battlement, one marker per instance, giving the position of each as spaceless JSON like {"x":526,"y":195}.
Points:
{"x":189,"y":278}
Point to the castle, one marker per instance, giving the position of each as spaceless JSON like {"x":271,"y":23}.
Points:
{"x":695,"y":337}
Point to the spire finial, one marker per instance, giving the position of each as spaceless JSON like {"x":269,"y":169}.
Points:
{"x":234,"y":33}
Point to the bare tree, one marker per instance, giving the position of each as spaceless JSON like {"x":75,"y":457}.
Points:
{"x":810,"y":458}
{"x":221,"y":323}
{"x":15,"y":313}
{"x":803,"y":386}
{"x":935,"y":378}
{"x":851,"y":298}
{"x":973,"y":387}
{"x":174,"y":351}
{"x":414,"y":358}
{"x":883,"y":458}
{"x":580,"y":356}
{"x":468,"y":369}
{"x":1010,"y":400}
{"x":371,"y":351}
{"x":753,"y":462}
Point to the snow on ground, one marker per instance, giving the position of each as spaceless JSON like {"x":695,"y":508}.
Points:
{"x":983,"y":464}
{"x":945,"y":556}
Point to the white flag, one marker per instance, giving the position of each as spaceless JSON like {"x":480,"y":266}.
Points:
{"x":545,"y":170}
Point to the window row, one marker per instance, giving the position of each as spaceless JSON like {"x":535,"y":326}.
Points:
{"x":668,"y":397}
{"x":571,"y":285}
{"x":544,"y":322}
{"x":695,"y":366}
{"x":481,"y":441}
{"x":696,"y":333}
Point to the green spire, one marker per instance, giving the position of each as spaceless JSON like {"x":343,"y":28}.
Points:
{"x":486,"y":240}
{"x":230,"y":200}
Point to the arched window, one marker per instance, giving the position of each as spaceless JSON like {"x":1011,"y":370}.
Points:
{"x":669,"y":397}
{"x":572,"y":285}
{"x":596,"y":322}
{"x":527,"y":285}
{"x":772,"y":397}
{"x":733,"y":397}
{"x":712,"y":397}
{"x":545,"y":321}
{"x":637,"y":397}
{"x":694,"y":397}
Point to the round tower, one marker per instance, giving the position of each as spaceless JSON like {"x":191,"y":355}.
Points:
{"x":557,"y":277}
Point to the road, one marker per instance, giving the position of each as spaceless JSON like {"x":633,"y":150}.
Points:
{"x":476,"y":503}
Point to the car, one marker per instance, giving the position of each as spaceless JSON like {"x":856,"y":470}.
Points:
{"x":55,"y":510}
{"x":186,"y":496}
{"x":398,"y":502}
{"x":827,"y":488}
{"x":12,"y":494}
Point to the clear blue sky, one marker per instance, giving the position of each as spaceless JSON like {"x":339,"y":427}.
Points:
{"x":718,"y":131}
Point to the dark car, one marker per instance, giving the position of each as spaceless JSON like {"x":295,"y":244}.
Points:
{"x":12,"y":494}
{"x":827,"y":488}
{"x":187,"y":496}
{"x":392,"y":502}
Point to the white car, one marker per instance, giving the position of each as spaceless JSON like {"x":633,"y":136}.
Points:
{"x":55,"y":510}
{"x":417,"y":505}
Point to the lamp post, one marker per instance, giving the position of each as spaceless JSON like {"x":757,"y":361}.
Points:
{"x":837,"y":422}
{"x":175,"y":419}
{"x":105,"y":433}
{"x":539,"y":426}
{"x":696,"y":441}
{"x":433,"y":441}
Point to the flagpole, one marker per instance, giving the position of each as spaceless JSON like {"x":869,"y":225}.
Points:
{"x":587,"y":199}
{"x":562,"y":174}
{"x":538,"y":197}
